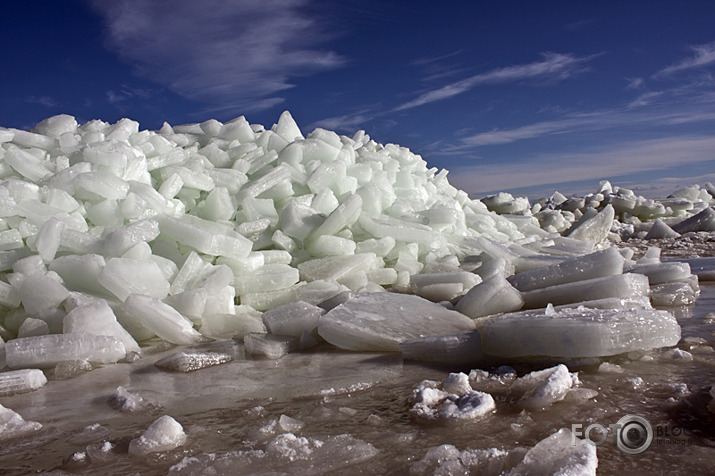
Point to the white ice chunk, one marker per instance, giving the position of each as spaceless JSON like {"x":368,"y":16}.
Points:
{"x":103,"y":184}
{"x":99,"y":319}
{"x":580,"y":332}
{"x":122,"y":277}
{"x":619,"y":286}
{"x":493,"y":296}
{"x":336,"y":267}
{"x":269,"y":278}
{"x":544,"y":387}
{"x":48,"y":239}
{"x":561,"y":453}
{"x":380,"y":321}
{"x":660,"y":230}
{"x":46,"y":351}
{"x":292,"y":319}
{"x":13,"y":425}
{"x":40,"y":294}
{"x":595,"y":265}
{"x":456,"y":382}
{"x":595,"y":228}
{"x":80,"y":272}
{"x":26,"y":164}
{"x":164,"y":434}
{"x":119,"y":241}
{"x":202,"y":236}
{"x":161,"y":319}
{"x":21,"y":381}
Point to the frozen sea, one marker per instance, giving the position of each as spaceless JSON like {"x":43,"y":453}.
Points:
{"x":232,"y":412}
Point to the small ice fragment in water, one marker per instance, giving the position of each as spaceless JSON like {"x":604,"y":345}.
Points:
{"x":290,"y":424}
{"x":125,"y":401}
{"x":609,"y":368}
{"x":432,"y":403}
{"x":164,"y":434}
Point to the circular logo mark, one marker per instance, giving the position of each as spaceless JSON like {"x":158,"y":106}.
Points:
{"x":634,"y":434}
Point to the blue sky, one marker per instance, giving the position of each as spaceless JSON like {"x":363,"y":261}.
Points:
{"x":519,"y":96}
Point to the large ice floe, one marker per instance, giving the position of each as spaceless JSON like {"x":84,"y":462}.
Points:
{"x":112,"y":237}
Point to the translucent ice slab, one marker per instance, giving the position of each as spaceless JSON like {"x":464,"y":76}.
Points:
{"x":46,"y":351}
{"x":380,"y":321}
{"x":620,"y":286}
{"x":580,"y":332}
{"x":595,"y":265}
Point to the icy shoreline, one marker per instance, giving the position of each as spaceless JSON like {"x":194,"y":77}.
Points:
{"x":113,"y":239}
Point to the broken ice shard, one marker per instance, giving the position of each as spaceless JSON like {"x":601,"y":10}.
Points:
{"x":595,"y":265}
{"x":703,"y":221}
{"x":380,"y":321}
{"x":544,"y":387}
{"x":21,"y":381}
{"x":580,"y":332}
{"x":161,"y":319}
{"x":619,"y":286}
{"x":47,"y":351}
{"x":188,"y":361}
{"x":13,"y":425}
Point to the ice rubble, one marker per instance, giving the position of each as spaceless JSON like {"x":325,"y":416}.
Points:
{"x":193,"y":231}
{"x":559,"y":453}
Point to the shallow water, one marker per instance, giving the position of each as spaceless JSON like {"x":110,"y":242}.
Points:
{"x":230,"y":408}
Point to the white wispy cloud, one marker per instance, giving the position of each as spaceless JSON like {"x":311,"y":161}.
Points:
{"x":612,"y":160}
{"x":704,"y":56}
{"x":346,"y":122}
{"x":506,"y":136}
{"x":42,"y":101}
{"x":654,"y":109}
{"x":229,"y":53}
{"x":635,"y":83}
{"x":554,"y":66}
